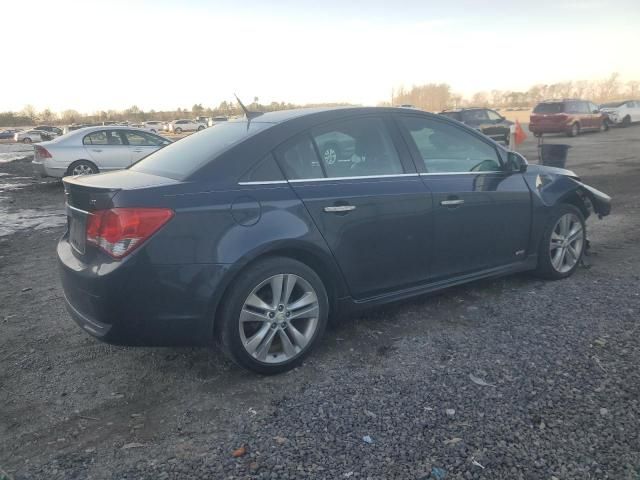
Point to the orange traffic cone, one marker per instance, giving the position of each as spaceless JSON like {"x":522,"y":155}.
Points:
{"x":520,"y":135}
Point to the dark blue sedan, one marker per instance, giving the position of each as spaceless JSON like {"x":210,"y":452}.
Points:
{"x":249,"y":235}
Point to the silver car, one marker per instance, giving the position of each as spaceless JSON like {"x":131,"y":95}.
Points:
{"x":94,"y":149}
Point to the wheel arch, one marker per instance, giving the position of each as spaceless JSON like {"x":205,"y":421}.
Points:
{"x":322,"y":263}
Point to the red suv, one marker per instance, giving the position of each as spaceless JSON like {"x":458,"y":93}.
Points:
{"x":567,"y":116}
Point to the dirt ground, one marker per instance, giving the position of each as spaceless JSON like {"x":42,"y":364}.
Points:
{"x":388,"y":394}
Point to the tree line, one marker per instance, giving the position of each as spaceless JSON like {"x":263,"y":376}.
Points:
{"x":436,"y":97}
{"x":29,"y":115}
{"x":432,"y":97}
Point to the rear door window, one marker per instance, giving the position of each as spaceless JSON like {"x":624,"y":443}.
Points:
{"x":446,"y":148}
{"x":359,"y":147}
{"x":299,"y":159}
{"x":103,"y":137}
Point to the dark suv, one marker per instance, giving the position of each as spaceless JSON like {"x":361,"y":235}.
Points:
{"x":487,"y":121}
{"x":567,"y":116}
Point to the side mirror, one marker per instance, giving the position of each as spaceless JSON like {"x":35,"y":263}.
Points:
{"x":516,"y":162}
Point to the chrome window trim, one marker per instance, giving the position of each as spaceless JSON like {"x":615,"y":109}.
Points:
{"x":266,"y":182}
{"x":299,"y":180}
{"x":84,"y":212}
{"x":426,"y":174}
{"x":329,"y":179}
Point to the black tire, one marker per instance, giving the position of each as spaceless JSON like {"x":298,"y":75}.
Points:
{"x":575,"y":130}
{"x":237,"y":293}
{"x":200,"y":128}
{"x":178,"y":130}
{"x":84,"y":164}
{"x":538,"y":135}
{"x":153,"y":131}
{"x":26,"y":140}
{"x":626,"y":121}
{"x":545,"y":268}
{"x":605,"y":126}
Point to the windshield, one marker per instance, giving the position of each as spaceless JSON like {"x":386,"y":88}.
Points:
{"x":182,"y":158}
{"x":554,"y":107}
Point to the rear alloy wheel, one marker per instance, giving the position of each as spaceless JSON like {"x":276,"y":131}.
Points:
{"x":200,"y":128}
{"x":275,"y":313}
{"x":26,"y":140}
{"x":178,"y":130}
{"x":626,"y":121}
{"x":575,"y":130}
{"x":82,"y":167}
{"x":563,"y":243}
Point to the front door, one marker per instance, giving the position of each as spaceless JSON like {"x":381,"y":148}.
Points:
{"x":106,"y":148}
{"x":482,"y":213}
{"x":370,"y":207}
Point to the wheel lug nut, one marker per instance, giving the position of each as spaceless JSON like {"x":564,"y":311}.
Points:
{"x":283,"y":325}
{"x":271,"y":314}
{"x":288,"y":314}
{"x":274,"y":325}
{"x":280,"y":307}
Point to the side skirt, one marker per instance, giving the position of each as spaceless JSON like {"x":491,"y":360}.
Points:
{"x":350,"y":305}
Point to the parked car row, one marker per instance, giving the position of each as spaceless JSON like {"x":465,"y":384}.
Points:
{"x":574,"y":116}
{"x":485,"y":120}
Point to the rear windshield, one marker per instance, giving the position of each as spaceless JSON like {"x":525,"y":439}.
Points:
{"x":553,"y":107}
{"x":182,"y":158}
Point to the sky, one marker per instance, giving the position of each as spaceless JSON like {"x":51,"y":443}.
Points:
{"x":160,"y":54}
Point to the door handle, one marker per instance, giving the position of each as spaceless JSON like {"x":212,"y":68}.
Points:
{"x":96,"y":150}
{"x":451,"y":203}
{"x":339,"y":208}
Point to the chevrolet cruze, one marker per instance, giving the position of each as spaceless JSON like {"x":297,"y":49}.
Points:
{"x":247,"y":235}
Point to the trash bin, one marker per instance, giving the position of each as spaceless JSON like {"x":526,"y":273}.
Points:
{"x":554,"y":155}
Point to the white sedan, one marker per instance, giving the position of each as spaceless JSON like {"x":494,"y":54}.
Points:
{"x":179,"y":126}
{"x":93,"y":150}
{"x":29,"y":136}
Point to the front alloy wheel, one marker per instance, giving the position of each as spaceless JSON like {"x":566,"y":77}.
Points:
{"x":563,"y":243}
{"x":273,"y":315}
{"x":567,"y":241}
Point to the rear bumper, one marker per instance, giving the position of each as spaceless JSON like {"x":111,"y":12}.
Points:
{"x":560,"y":128}
{"x":42,"y":169}
{"x":135,"y":303}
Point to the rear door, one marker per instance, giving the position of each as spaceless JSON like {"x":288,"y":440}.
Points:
{"x":107,"y":149}
{"x":142,"y":144}
{"x":482,"y":213}
{"x":371,"y":207}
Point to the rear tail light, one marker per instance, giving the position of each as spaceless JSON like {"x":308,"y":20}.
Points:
{"x":41,"y":152}
{"x":119,"y":231}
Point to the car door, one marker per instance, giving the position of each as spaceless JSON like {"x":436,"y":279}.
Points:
{"x":372,"y":210}
{"x":107,"y":149}
{"x":482,"y":212}
{"x":142,"y":144}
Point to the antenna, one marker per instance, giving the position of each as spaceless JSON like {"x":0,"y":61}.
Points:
{"x":248,"y":114}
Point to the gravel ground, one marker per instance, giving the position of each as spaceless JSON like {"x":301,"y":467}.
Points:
{"x":514,"y":378}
